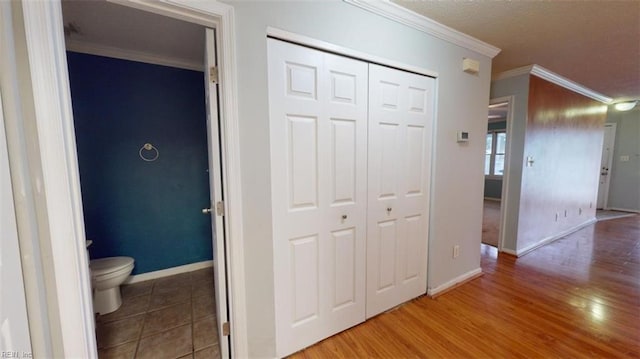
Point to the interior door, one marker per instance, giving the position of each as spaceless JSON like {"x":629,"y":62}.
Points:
{"x":400,"y":127}
{"x":605,"y":164}
{"x":318,"y":124}
{"x":215,"y":182}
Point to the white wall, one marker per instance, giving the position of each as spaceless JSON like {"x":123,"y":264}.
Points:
{"x":517,"y":86}
{"x":624,"y":189}
{"x":456,"y":212}
{"x":14,"y":329}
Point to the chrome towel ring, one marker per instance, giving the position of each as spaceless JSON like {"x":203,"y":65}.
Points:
{"x":148,"y":152}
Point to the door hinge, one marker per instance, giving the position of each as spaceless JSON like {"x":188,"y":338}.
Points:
{"x":220,"y":208}
{"x":226,"y":329}
{"x":213,"y":74}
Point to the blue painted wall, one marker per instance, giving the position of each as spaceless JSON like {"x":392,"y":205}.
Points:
{"x":150,"y":211}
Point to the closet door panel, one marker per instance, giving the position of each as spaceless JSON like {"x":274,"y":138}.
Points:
{"x":346,"y":201}
{"x":400,"y":122}
{"x":318,"y":124}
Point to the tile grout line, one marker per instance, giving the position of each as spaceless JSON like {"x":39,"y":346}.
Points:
{"x":193,"y":285}
{"x":193,"y":348}
{"x":144,"y":321}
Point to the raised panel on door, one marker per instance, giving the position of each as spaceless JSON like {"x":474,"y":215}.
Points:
{"x":400,"y":125}
{"x":302,"y":165}
{"x":385,"y":241}
{"x":343,"y":162}
{"x":344,"y":268}
{"x":305,"y":286}
{"x":318,"y":123}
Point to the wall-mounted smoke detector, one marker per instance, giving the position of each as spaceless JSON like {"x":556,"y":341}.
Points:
{"x":470,"y":66}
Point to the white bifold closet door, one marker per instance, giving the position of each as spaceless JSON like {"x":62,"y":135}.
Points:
{"x":400,"y":124}
{"x":318,"y":134}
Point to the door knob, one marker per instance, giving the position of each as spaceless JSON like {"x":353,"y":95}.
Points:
{"x":389,"y":209}
{"x":206,"y":210}
{"x":344,"y":216}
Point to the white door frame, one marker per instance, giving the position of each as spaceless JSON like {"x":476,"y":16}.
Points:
{"x":605,"y":195}
{"x":13,"y":312}
{"x":504,"y":203}
{"x":62,"y":205}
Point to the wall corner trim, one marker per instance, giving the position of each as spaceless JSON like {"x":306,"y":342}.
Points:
{"x":432,"y":292}
{"x":552,"y":77}
{"x":422,"y":23}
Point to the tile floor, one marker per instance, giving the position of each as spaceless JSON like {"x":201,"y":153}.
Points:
{"x":171,"y":317}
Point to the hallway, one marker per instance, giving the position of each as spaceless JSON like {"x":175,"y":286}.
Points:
{"x":576,"y":297}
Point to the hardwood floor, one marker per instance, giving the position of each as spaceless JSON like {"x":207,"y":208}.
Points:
{"x":578,"y":297}
{"x":491,"y":222}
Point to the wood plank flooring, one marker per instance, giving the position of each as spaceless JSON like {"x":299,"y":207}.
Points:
{"x":578,"y":297}
{"x":491,"y":222}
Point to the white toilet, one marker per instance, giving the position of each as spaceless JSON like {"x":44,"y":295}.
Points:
{"x":107,"y":274}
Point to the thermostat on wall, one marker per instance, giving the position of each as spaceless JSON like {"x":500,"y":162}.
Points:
{"x":463,"y":136}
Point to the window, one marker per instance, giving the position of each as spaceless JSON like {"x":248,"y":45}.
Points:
{"x":494,"y":154}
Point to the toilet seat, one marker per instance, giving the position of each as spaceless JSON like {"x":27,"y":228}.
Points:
{"x":104,"y":266}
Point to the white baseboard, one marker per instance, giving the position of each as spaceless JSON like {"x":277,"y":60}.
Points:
{"x":550,"y":239}
{"x":168,"y":272}
{"x":493,"y":199}
{"x":443,"y":287}
{"x":623,"y":209}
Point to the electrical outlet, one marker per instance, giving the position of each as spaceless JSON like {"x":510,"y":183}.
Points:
{"x":456,"y":251}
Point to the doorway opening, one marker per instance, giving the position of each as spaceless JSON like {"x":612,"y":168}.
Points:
{"x":149,"y":159}
{"x":496,"y":171}
{"x":605,"y":165}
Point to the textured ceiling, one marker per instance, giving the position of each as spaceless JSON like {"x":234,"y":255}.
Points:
{"x":594,"y":43}
{"x":99,"y":23}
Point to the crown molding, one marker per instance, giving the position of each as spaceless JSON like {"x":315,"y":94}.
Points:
{"x":131,"y":55}
{"x":422,"y":23}
{"x":552,"y":77}
{"x":340,"y":50}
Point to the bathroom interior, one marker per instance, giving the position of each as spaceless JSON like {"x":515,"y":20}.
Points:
{"x":138,"y":98}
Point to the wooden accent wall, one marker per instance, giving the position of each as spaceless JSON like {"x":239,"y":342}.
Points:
{"x":564,"y":134}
